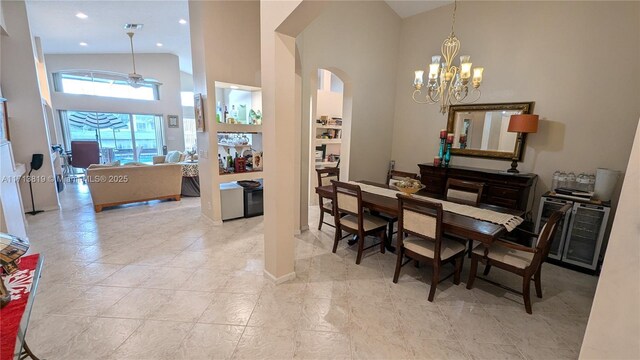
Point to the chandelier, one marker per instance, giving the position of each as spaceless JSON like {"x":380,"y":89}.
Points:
{"x":448,"y":84}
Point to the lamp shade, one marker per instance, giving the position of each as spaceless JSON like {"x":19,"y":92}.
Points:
{"x":523,"y":123}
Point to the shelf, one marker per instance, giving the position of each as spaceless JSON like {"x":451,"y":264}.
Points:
{"x":328,"y":141}
{"x":238,"y":128}
{"x":326,"y":163}
{"x":235,"y":146}
{"x":336,"y":127}
{"x":247,"y":175}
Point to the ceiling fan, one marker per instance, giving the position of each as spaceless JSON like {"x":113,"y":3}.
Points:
{"x":134,"y":79}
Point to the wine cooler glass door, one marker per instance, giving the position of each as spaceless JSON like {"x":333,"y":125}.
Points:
{"x":586,"y":232}
{"x":547,"y":207}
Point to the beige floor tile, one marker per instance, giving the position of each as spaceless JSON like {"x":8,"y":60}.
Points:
{"x":322,"y":345}
{"x":101,"y":338}
{"x":368,"y":344}
{"x":265,"y":343}
{"x":473,"y":323}
{"x":326,"y":289}
{"x":422,"y":321}
{"x":129,"y":276}
{"x":94,"y":301}
{"x":481,"y":351}
{"x":244,"y":282}
{"x":50,"y":337}
{"x":325,"y":315}
{"x":156,"y":340}
{"x":229,"y":308}
{"x":207,"y":280}
{"x":421,"y":348}
{"x":139,"y":303}
{"x":168,"y":278}
{"x":533,"y":352}
{"x":524,"y":329}
{"x":209,"y":341}
{"x":275,"y":313}
{"x":185,"y":306}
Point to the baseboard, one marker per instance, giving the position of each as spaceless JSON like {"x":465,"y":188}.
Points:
{"x":281,"y":279}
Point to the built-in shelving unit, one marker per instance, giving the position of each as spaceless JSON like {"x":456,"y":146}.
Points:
{"x":238,"y":127}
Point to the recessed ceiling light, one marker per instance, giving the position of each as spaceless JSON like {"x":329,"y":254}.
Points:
{"x":234,"y":87}
{"x":182,"y":21}
{"x":159,"y":44}
{"x":81,"y":15}
{"x":82,"y":43}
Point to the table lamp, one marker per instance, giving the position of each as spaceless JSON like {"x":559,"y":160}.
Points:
{"x":522,"y":124}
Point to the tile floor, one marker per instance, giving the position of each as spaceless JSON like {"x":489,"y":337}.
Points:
{"x":158,"y":281}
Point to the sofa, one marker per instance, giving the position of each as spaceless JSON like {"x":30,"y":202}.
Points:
{"x":117,"y":185}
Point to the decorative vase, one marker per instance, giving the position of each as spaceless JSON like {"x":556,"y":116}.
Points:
{"x":447,"y":155}
{"x":441,"y":151}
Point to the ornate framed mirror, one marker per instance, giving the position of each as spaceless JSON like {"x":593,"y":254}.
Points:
{"x":481,"y":130}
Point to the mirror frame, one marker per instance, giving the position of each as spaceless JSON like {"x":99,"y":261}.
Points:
{"x":525,"y":107}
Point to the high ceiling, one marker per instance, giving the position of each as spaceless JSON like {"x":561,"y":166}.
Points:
{"x":406,"y":8}
{"x":55,"y":22}
{"x":61,"y":31}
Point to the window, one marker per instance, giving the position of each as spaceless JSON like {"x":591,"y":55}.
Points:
{"x":106,"y":84}
{"x":124,"y":137}
{"x":190,"y":137}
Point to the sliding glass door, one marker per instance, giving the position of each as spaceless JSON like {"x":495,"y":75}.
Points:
{"x":123,"y":137}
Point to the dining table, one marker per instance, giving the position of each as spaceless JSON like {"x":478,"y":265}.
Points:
{"x":453,"y":224}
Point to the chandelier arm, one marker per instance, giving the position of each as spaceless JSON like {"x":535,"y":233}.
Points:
{"x":418,"y":92}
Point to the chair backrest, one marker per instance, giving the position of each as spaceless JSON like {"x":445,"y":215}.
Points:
{"x":84,"y":153}
{"x":547,"y":234}
{"x":394,"y":176}
{"x":464,"y":192}
{"x":421,"y":218}
{"x":347,"y":200}
{"x":326,"y":175}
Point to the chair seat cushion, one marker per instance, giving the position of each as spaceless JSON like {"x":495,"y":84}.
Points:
{"x":517,"y":258}
{"x":328,"y":206}
{"x":369,"y":222}
{"x":448,"y":247}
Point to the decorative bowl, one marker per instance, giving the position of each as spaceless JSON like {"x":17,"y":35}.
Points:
{"x":410,"y":190}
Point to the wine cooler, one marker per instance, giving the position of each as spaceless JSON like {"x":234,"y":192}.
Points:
{"x":580,"y":234}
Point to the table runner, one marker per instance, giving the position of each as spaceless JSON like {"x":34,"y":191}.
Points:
{"x":19,"y":285}
{"x":510,"y":222}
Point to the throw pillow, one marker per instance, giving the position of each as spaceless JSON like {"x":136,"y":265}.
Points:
{"x":173,"y":157}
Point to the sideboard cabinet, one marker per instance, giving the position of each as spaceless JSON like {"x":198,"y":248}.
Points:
{"x":500,"y":188}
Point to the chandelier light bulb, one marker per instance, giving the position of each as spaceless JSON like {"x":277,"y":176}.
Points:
{"x":433,"y":71}
{"x":417,"y":82}
{"x":435,"y":59}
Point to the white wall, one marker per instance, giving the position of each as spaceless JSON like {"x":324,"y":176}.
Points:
{"x":579,"y":61}
{"x":225,"y":51}
{"x":360,"y":39}
{"x":614,"y":324}
{"x":25,"y":109}
{"x":162,"y":67}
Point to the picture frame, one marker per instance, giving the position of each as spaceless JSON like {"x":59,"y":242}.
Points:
{"x":4,"y":121}
{"x":198,"y":106}
{"x":173,"y":121}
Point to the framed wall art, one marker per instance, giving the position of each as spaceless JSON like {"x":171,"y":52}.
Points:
{"x":4,"y":120}
{"x":173,"y":121}
{"x":199,"y":110}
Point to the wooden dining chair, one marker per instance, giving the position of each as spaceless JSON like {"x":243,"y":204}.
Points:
{"x":463,"y":192}
{"x":325,"y":176}
{"x":350,"y":217}
{"x":393,"y":177}
{"x":518,"y":259}
{"x":421,"y":222}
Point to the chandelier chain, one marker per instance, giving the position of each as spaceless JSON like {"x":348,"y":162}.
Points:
{"x":453,"y":20}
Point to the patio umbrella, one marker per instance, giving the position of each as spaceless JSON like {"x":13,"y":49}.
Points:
{"x":97,"y":121}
